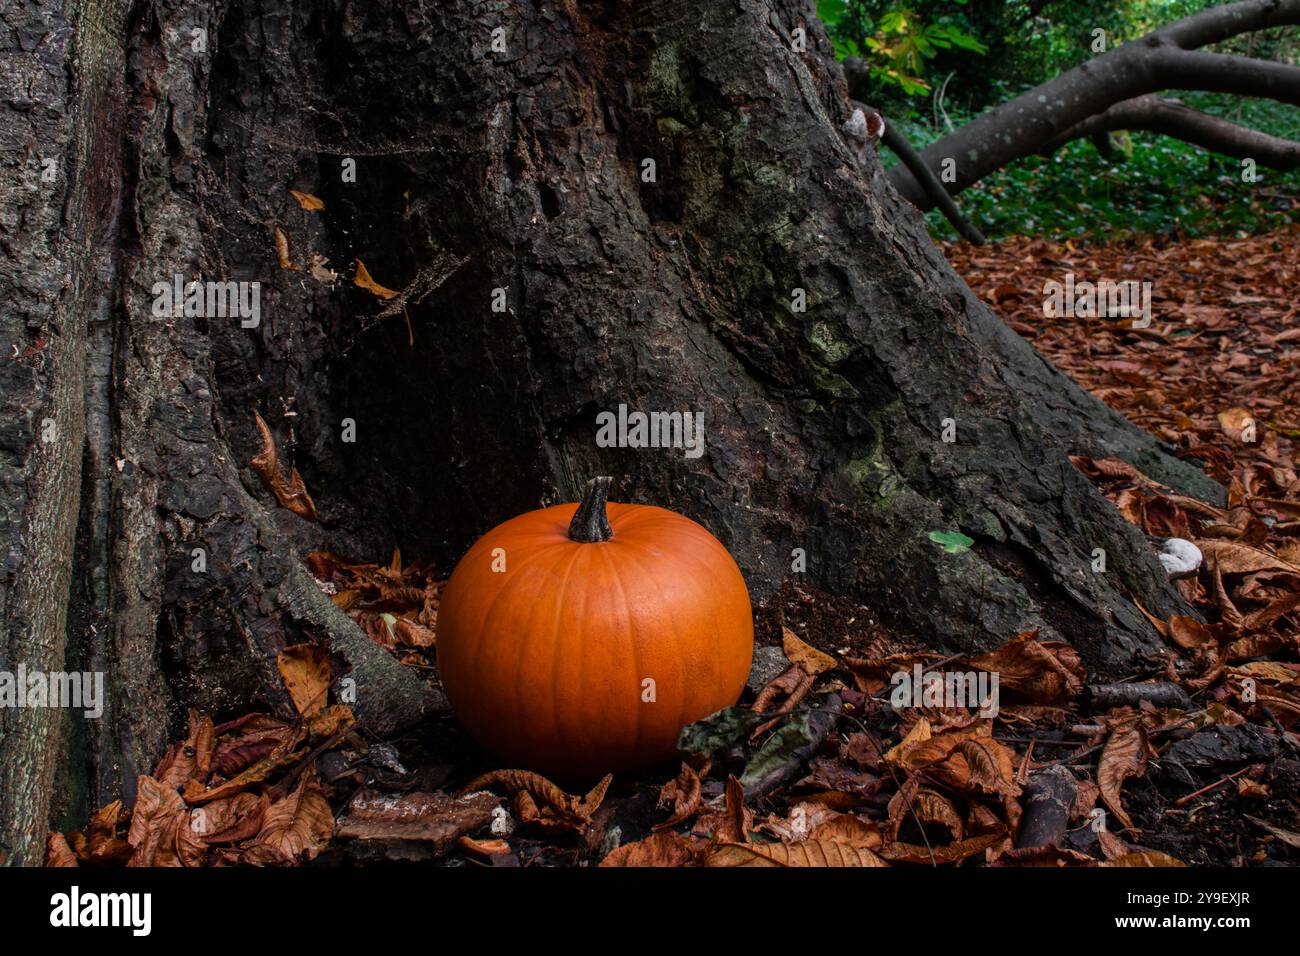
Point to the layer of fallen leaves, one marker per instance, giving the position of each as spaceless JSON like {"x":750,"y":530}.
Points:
{"x":1217,"y":375}
{"x":818,"y":768}
{"x":946,"y":791}
{"x":1222,"y":350}
{"x":395,"y":604}
{"x":241,"y":792}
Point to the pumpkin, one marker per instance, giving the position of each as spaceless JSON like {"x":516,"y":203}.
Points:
{"x":579,"y":639}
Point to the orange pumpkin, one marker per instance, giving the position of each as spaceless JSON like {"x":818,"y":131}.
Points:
{"x":580,"y":639}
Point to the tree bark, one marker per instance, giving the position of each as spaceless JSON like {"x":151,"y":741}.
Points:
{"x":524,"y":164}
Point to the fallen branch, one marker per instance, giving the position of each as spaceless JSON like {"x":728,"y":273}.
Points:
{"x":934,"y":189}
{"x":1158,"y":693}
{"x":1049,"y":797}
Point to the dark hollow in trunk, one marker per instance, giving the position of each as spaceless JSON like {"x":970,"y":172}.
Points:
{"x":479,"y":170}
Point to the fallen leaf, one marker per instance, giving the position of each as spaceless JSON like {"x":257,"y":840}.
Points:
{"x":731,"y":822}
{"x":291,"y":494}
{"x":157,"y":815}
{"x":57,"y":851}
{"x":192,"y":759}
{"x":332,"y":720}
{"x":307,"y":201}
{"x":1233,"y":557}
{"x":294,"y":829}
{"x":919,"y":733}
{"x":283,"y":754}
{"x":1124,"y":756}
{"x":232,"y":820}
{"x":812,"y":661}
{"x":950,"y":853}
{"x":364,"y":281}
{"x":824,"y":853}
{"x":658,"y":849}
{"x":282,"y":249}
{"x":547,"y":795}
{"x":305,"y":670}
{"x":682,"y":793}
{"x":847,"y":828}
{"x":1189,"y":633}
{"x":1042,"y":673}
{"x":102,"y":844}
{"x":485,"y":847}
{"x":720,"y":730}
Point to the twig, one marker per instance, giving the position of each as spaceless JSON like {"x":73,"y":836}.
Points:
{"x":1101,"y":746}
{"x":1191,"y":796}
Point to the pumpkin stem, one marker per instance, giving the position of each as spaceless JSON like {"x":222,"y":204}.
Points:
{"x":590,"y":523}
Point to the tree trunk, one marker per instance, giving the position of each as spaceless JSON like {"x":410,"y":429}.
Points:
{"x":522,"y":160}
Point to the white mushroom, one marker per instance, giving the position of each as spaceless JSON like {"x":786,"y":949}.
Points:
{"x":1180,"y":557}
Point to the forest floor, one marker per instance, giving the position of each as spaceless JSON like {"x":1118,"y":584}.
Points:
{"x":1193,"y":760}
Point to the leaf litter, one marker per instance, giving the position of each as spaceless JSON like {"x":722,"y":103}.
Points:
{"x":1211,"y":779}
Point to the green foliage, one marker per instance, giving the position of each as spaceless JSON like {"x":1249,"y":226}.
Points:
{"x":954,"y":542}
{"x":928,"y":78}
{"x":897,"y":40}
{"x":1153,"y":184}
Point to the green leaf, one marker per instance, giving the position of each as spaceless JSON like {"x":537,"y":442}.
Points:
{"x":954,"y":542}
{"x":893,"y":22}
{"x":719,"y":730}
{"x":954,"y":36}
{"x":779,"y":750}
{"x":829,"y":12}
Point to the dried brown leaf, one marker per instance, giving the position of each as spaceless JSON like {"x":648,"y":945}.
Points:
{"x":282,"y":249}
{"x":192,"y":760}
{"x":158,"y":813}
{"x":806,"y":656}
{"x":731,"y":822}
{"x":819,"y":853}
{"x":1124,"y":756}
{"x":364,"y":281}
{"x":57,"y":851}
{"x":291,"y":494}
{"x":1048,"y":673}
{"x":296,"y":828}
{"x":658,"y":849}
{"x":307,"y":201}
{"x":544,"y":793}
{"x":682,"y":793}
{"x":305,"y":670}
{"x":951,"y":853}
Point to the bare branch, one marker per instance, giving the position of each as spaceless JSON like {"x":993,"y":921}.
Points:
{"x":1171,"y":118}
{"x":1164,"y":59}
{"x":904,"y":150}
{"x":1174,"y":69}
{"x":1220,"y":23}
